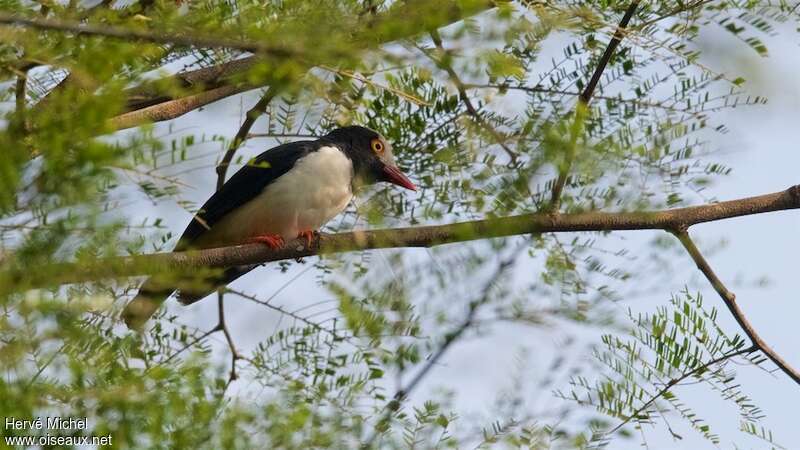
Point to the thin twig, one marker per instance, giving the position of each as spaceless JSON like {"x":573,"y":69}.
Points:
{"x":252,"y":115}
{"x":635,"y":101}
{"x":143,"y":35}
{"x":464,"y":96}
{"x":185,"y":347}
{"x":619,"y":34}
{"x":359,"y":77}
{"x":223,"y":326}
{"x":674,"y":12}
{"x":281,"y":310}
{"x":250,"y":118}
{"x":450,"y":338}
{"x":47,"y":363}
{"x":730,"y":301}
{"x":675,"y":381}
{"x":581,"y":108}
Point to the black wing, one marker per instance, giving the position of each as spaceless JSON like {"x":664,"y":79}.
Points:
{"x":245,"y":185}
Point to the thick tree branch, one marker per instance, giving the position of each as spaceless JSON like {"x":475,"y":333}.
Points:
{"x":730,"y":301}
{"x":151,"y":93}
{"x":673,"y":220}
{"x":203,"y":79}
{"x":583,"y":101}
{"x":175,"y":108}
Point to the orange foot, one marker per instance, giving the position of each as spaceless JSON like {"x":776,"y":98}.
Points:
{"x":308,"y":235}
{"x":273,"y":241}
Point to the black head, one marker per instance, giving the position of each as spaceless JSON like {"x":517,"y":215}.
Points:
{"x":371,"y":155}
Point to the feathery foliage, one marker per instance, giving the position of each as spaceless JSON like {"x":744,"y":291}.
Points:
{"x":111,"y":131}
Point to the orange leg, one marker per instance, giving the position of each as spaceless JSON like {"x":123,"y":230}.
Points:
{"x":308,"y":235}
{"x":273,"y":241}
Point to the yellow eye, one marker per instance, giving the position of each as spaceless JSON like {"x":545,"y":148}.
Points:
{"x":377,"y":146}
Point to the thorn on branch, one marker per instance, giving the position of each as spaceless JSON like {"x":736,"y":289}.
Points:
{"x":679,"y":229}
{"x":794,"y":192}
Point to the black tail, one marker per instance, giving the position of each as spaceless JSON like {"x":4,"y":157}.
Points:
{"x":151,"y":296}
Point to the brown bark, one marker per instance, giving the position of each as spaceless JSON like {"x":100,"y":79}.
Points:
{"x":175,"y":108}
{"x":672,"y":220}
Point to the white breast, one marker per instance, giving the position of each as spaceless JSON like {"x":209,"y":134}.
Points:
{"x":305,"y":198}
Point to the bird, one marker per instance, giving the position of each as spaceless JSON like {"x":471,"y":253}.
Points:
{"x":287,"y":192}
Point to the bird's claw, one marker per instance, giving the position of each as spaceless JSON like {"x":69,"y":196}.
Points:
{"x":308,"y":235}
{"x":272,"y":241}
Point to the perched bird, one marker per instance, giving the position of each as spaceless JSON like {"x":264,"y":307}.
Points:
{"x":287,"y":192}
